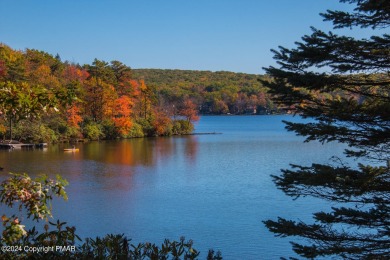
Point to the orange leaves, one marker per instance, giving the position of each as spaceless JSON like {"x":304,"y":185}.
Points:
{"x":134,"y":84}
{"x":41,"y":74}
{"x":161,"y":122}
{"x":124,"y":104}
{"x":73,"y":116}
{"x":128,"y":87}
{"x":142,"y":85}
{"x":122,"y":113}
{"x":42,"y":71}
{"x":135,"y":88}
{"x":123,"y":124}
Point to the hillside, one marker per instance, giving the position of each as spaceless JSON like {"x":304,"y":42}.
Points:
{"x":218,"y":92}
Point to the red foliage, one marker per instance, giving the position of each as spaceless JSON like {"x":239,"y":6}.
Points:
{"x":134,"y":84}
{"x":72,"y":73}
{"x":161,"y":121}
{"x":129,"y":87}
{"x":189,"y":111}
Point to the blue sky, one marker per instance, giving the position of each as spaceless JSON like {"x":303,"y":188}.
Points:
{"x":231,"y":35}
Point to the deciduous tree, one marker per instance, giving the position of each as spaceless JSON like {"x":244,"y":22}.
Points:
{"x":122,"y":114}
{"x":20,"y":101}
{"x":189,"y":111}
{"x":73,"y":116}
{"x":14,"y":62}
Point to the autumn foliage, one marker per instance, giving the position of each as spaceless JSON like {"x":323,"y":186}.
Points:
{"x":188,"y":111}
{"x":73,"y":116}
{"x":3,"y":69}
{"x":98,"y":100}
{"x":122,"y":114}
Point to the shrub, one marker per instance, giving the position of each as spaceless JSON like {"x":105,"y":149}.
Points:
{"x":72,"y":132}
{"x":32,"y":131}
{"x":110,"y":131}
{"x":181,"y":127}
{"x":136,"y":131}
{"x":93,"y":131}
{"x":147,"y":127}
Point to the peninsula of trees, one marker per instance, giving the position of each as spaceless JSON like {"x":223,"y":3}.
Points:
{"x":45,"y":99}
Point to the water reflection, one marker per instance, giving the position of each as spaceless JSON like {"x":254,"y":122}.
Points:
{"x":140,"y":151}
{"x":100,"y":160}
{"x":191,"y":149}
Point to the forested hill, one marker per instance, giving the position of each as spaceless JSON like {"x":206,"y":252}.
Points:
{"x":218,"y":92}
{"x":170,"y":77}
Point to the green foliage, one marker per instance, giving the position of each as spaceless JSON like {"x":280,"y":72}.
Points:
{"x":29,"y":88}
{"x":71,"y":132}
{"x":151,"y":126}
{"x":15,"y":70}
{"x":20,"y":100}
{"x":118,"y":247}
{"x":147,"y":126}
{"x":167,"y":129}
{"x":31,"y":132}
{"x":93,"y":131}
{"x":109,"y":131}
{"x":136,"y":131}
{"x":38,"y":58}
{"x":181,"y":127}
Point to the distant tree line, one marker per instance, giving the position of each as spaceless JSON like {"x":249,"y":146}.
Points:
{"x":220,"y":92}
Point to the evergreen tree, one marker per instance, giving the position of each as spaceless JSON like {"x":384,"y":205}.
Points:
{"x":344,"y":84}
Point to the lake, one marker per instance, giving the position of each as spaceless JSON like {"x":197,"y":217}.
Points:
{"x":214,"y":189}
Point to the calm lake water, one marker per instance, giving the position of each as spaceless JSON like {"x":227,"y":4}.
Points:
{"x":213,"y":189}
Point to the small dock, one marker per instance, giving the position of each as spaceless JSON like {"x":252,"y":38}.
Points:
{"x":19,"y":145}
{"x":206,"y":133}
